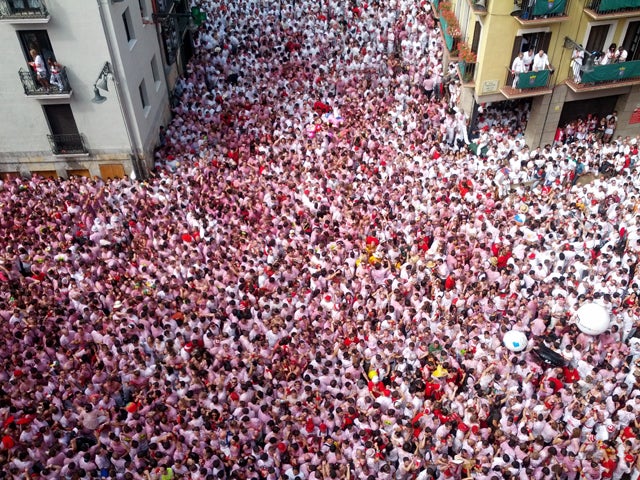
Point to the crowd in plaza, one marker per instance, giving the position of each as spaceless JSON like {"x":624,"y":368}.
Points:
{"x":316,"y":281}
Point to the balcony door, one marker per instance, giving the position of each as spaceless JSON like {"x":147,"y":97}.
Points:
{"x":37,"y":40}
{"x":25,"y":6}
{"x":536,"y":40}
{"x":597,"y":38}
{"x":65,"y":137}
{"x":631,"y":41}
{"x":60,"y":119}
{"x":475,"y":43}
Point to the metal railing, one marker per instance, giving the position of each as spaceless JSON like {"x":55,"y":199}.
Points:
{"x":467,"y":71}
{"x":537,"y":9}
{"x":610,"y":73}
{"x":23,"y":9}
{"x":605,"y":7}
{"x":529,"y":80}
{"x":55,"y":84}
{"x":165,"y":6}
{"x":67,"y":144}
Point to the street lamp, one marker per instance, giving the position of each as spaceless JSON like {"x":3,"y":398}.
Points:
{"x":589,"y":61}
{"x":101,"y":84}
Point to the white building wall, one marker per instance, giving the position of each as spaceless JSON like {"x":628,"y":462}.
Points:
{"x":133,"y":63}
{"x":79,"y":41}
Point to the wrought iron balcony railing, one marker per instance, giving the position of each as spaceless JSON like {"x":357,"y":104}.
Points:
{"x":539,"y":9}
{"x":467,"y":71}
{"x":67,"y":144}
{"x":529,"y":80}
{"x":610,"y":7}
{"x":55,"y":84}
{"x":23,"y":10}
{"x":604,"y":74}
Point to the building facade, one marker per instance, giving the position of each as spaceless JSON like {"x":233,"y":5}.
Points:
{"x":83,"y":87}
{"x":488,"y":35}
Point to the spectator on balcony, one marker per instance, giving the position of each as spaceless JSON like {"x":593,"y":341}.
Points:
{"x":40,"y":68}
{"x":577,"y":59}
{"x":609,"y":56}
{"x":621,"y":55}
{"x":56,"y":74}
{"x":527,"y":58}
{"x":541,"y":62}
{"x":518,"y":67}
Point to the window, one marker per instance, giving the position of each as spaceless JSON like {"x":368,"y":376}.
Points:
{"x":128,"y":26}
{"x":60,"y":119}
{"x":144,"y":99}
{"x":37,"y":40}
{"x":462,"y":12}
{"x":631,"y":41}
{"x":155,"y":72}
{"x":64,"y":138}
{"x":536,"y":41}
{"x":597,"y":38}
{"x":143,"y":8}
{"x":475,"y":43}
{"x":25,"y":6}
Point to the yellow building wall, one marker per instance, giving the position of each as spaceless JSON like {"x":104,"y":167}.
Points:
{"x":499,"y":30}
{"x":494,"y":50}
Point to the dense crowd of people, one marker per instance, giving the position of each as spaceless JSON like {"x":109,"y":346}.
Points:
{"x":316,"y":282}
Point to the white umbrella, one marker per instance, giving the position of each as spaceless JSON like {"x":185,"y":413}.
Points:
{"x":592,"y":319}
{"x":515,"y":340}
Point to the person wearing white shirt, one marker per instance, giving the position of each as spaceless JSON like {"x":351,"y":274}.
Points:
{"x":609,"y":56}
{"x":527,"y":58}
{"x":518,"y":67}
{"x":621,"y":55}
{"x":541,"y":62}
{"x":576,"y":64}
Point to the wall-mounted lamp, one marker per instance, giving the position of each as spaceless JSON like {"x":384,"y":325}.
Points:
{"x":589,"y":60}
{"x":480,"y":5}
{"x":102,"y":83}
{"x":517,"y":9}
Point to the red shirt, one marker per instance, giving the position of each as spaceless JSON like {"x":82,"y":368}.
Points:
{"x":609,"y":465}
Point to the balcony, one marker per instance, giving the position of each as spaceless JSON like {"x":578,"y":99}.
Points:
{"x":23,"y":11}
{"x":529,"y":84}
{"x":447,"y":32}
{"x":541,"y":12}
{"x":56,"y":90}
{"x":612,"y":9}
{"x":67,"y":144}
{"x":604,"y":77}
{"x":467,"y":71}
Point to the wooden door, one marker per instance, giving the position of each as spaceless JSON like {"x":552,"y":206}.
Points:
{"x":45,"y":173}
{"x":9,"y":175}
{"x":79,"y":172}
{"x":112,"y":171}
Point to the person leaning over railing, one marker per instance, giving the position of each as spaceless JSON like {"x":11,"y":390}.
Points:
{"x":56,"y":74}
{"x":40,"y":68}
{"x":541,"y":62}
{"x":577,"y":59}
{"x":620,"y":55}
{"x":517,"y":67}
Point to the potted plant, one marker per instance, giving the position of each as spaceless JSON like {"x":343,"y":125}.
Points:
{"x":466,"y":54}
